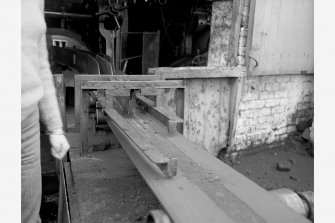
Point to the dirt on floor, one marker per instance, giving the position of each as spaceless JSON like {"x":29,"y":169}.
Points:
{"x":279,"y":168}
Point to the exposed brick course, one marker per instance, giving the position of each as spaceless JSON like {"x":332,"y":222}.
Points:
{"x":270,"y":108}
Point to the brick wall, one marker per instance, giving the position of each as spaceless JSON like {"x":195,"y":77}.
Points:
{"x":270,"y":108}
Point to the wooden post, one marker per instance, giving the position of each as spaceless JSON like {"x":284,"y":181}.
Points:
{"x":235,"y":98}
{"x":60,"y":92}
{"x":235,"y":31}
{"x":84,"y":121}
{"x":179,"y":100}
{"x":77,"y":100}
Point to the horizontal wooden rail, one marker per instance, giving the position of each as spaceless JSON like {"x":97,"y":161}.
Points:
{"x":130,"y":84}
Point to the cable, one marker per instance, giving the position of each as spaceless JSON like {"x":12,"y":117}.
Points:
{"x":196,"y":7}
{"x":164,"y":26}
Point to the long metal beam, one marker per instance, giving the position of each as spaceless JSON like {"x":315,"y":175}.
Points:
{"x":183,"y":201}
{"x":204,"y":189}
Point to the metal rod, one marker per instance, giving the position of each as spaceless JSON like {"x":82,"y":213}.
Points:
{"x":130,"y":58}
{"x":67,"y":15}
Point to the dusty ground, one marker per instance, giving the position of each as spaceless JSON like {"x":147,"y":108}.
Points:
{"x":262,"y":169}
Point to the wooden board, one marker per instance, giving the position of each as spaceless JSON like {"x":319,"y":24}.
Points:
{"x":283,"y":37}
{"x":60,"y":92}
{"x":131,"y":84}
{"x":235,"y":31}
{"x":175,"y":192}
{"x":206,"y":113}
{"x":241,"y":199}
{"x":150,"y":52}
{"x":198,"y":72}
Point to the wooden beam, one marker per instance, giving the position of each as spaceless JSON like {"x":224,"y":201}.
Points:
{"x":183,"y":200}
{"x":238,"y":6}
{"x":198,"y":72}
{"x":131,"y":84}
{"x":84,"y":116}
{"x":90,"y":77}
{"x":250,"y":32}
{"x":235,"y":98}
{"x":60,"y":93}
{"x":171,"y":121}
{"x":180,"y":101}
{"x":235,"y":194}
{"x":167,"y":165}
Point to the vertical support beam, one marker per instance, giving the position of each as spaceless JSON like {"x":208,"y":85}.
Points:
{"x":179,"y":100}
{"x":118,"y":50}
{"x":219,"y":34}
{"x":84,"y":116}
{"x":235,"y":98}
{"x":77,"y":100}
{"x":250,"y":32}
{"x":238,"y":6}
{"x":60,"y":92}
{"x":150,"y":51}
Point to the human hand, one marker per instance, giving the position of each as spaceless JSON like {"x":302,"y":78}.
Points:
{"x":59,"y":145}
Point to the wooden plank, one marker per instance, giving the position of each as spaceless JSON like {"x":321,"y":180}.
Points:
{"x":77,"y":100}
{"x":174,"y":192}
{"x":186,"y":109}
{"x":71,"y":192}
{"x":282,"y":38}
{"x":235,"y":98}
{"x":259,"y":200}
{"x":169,"y":119}
{"x":250,"y":33}
{"x":168,"y":99}
{"x":84,"y":115}
{"x":196,"y":109}
{"x":224,"y":185}
{"x":198,"y":72}
{"x":60,"y":93}
{"x":211,"y":118}
{"x":168,"y":165}
{"x":179,"y":101}
{"x":224,"y":126}
{"x":131,"y":84}
{"x":88,"y":77}
{"x":150,"y":51}
{"x":126,"y":92}
{"x":235,"y":31}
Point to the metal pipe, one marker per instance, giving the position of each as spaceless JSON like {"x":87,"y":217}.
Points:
{"x":291,"y":199}
{"x":67,"y":15}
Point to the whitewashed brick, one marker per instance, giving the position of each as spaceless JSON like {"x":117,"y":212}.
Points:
{"x":272,"y":102}
{"x":277,"y":110}
{"x":263,"y":112}
{"x":283,"y":78}
{"x":269,"y":86}
{"x":276,"y":86}
{"x":266,"y":95}
{"x":280,"y":94}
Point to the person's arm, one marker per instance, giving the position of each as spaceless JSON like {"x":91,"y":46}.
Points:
{"x":48,"y":105}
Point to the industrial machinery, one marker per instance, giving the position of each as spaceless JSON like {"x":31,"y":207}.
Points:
{"x":104,"y":50}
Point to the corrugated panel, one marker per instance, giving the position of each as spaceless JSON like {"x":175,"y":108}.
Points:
{"x":283,"y":37}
